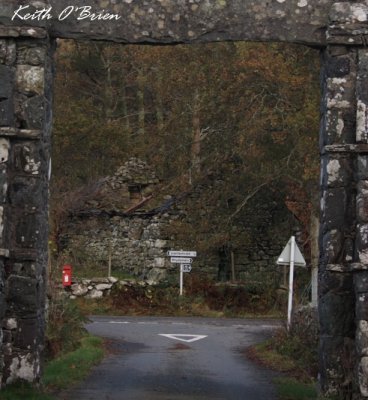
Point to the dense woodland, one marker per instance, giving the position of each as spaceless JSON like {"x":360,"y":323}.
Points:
{"x":235,"y":117}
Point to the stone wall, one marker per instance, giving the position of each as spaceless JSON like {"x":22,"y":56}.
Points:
{"x":138,"y":243}
{"x":25,"y":118}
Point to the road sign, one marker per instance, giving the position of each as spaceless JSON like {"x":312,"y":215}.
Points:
{"x":284,"y":258}
{"x":181,"y":260}
{"x":181,"y":253}
{"x":291,"y":255}
{"x":186,"y":267}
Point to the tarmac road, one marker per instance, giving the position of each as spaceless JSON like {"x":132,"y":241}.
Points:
{"x":154,"y":358}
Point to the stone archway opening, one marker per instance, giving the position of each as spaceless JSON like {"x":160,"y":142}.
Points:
{"x":245,"y":113}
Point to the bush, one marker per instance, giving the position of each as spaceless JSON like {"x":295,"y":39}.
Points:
{"x":64,"y":325}
{"x":301,"y":342}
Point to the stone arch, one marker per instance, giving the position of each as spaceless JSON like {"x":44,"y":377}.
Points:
{"x":27,"y":33}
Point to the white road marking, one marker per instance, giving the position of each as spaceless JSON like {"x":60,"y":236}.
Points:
{"x":118,"y":322}
{"x":183,"y":337}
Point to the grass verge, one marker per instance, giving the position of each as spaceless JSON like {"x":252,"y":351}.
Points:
{"x":61,"y":372}
{"x":295,"y":382}
{"x":73,"y":367}
{"x":292,"y":389}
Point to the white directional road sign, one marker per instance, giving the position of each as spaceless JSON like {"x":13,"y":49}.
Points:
{"x":187,"y":267}
{"x":183,"y":337}
{"x":181,"y":260}
{"x":181,"y":253}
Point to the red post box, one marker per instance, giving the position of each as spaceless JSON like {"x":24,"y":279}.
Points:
{"x":67,"y":275}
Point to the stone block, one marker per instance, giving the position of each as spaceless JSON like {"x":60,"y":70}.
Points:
{"x":6,"y":113}
{"x":103,"y":286}
{"x":335,"y":282}
{"x":10,"y":324}
{"x":29,"y":333}
{"x":338,"y":67}
{"x":362,"y":170}
{"x":33,"y":112}
{"x":332,"y":244}
{"x":361,"y":306}
{"x":27,"y":232}
{"x":79,"y":290}
{"x":336,"y":208}
{"x":156,"y":275}
{"x":363,"y":376}
{"x":30,"y":80}
{"x":362,"y":338}
{"x":95,"y":294}
{"x":23,"y":296}
{"x":27,"y":157}
{"x":336,"y":318}
{"x":362,"y":97}
{"x":361,"y":243}
{"x":362,"y":201}
{"x":31,"y":55}
{"x":6,"y":82}
{"x":361,"y":282}
{"x":336,"y":363}
{"x":338,"y":127}
{"x":22,"y":365}
{"x":26,"y":193}
{"x":8,"y":51}
{"x":159,"y":243}
{"x":336,"y":171}
{"x":159,"y":262}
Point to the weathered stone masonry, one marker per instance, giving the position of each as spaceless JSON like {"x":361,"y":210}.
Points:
{"x":25,"y":123}
{"x":339,"y":29}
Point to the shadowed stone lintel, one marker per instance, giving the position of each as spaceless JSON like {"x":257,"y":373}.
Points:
{"x":20,"y":133}
{"x":346,"y":148}
{"x":173,"y":21}
{"x":347,"y":267}
{"x":23,"y":31}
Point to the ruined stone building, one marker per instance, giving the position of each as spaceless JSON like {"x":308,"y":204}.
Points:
{"x":127,"y":218}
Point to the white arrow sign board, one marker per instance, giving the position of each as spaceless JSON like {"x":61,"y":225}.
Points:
{"x":181,"y":253}
{"x":183,"y":337}
{"x":186,"y":267}
{"x":181,"y":260}
{"x":284,"y":258}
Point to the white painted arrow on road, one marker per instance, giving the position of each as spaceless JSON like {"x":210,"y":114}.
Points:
{"x":183,"y":337}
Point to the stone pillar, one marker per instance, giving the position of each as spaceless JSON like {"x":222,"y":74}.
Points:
{"x":25,"y":125}
{"x":337,"y":231}
{"x":360,"y":267}
{"x":343,"y":279}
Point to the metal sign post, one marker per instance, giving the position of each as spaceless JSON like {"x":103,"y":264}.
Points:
{"x":291,"y":281}
{"x":181,"y":279}
{"x":292,"y":256}
{"x":184,"y":258}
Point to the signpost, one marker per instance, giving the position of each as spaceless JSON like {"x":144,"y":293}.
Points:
{"x":291,"y":255}
{"x":181,"y":253}
{"x":181,"y":260}
{"x":187,"y":267}
{"x":184,"y":258}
